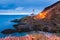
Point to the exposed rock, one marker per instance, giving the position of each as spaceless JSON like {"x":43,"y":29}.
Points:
{"x":52,"y":16}
{"x":48,"y":21}
{"x":30,"y":24}
{"x":8,"y":31}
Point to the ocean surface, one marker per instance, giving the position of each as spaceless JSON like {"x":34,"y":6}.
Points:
{"x":5,"y":23}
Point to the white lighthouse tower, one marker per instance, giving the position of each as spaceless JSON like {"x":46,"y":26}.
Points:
{"x":32,"y":12}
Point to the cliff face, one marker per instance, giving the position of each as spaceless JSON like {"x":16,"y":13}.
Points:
{"x":51,"y":15}
{"x":53,"y":12}
{"x":50,"y":11}
{"x":48,"y":20}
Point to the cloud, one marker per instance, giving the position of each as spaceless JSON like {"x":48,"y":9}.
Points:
{"x":19,"y":8}
{"x":24,"y":6}
{"x":11,"y":4}
{"x":19,"y":11}
{"x":15,"y":13}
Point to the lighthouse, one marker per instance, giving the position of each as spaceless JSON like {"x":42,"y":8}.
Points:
{"x":32,"y":12}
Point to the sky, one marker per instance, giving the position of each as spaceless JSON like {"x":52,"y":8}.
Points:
{"x":17,"y":7}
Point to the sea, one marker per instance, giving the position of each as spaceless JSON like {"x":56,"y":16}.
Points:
{"x":5,"y":23}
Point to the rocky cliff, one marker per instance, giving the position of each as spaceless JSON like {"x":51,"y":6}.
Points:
{"x":51,"y":15}
{"x":48,"y":21}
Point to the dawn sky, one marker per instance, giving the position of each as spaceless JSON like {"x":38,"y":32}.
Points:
{"x":23,"y":6}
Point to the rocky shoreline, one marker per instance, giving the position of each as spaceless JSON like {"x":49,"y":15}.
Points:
{"x":34,"y":36}
{"x":46,"y":21}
